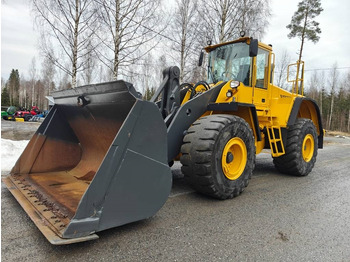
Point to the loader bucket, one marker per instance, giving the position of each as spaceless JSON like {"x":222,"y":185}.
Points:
{"x":99,"y":160}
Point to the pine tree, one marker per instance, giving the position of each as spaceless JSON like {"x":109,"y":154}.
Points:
{"x":5,"y":97}
{"x":303,"y":24}
{"x":305,"y":27}
{"x":13,"y":87}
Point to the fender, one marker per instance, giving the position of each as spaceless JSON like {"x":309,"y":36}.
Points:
{"x":234,"y":106}
{"x":304,"y":107}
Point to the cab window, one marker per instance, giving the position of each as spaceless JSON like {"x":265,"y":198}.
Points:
{"x":230,"y":62}
{"x":262,"y":60}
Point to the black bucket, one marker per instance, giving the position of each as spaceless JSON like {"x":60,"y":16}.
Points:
{"x":99,"y":160}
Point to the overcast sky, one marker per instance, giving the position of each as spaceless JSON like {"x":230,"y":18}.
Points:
{"x":335,"y":37}
{"x":19,"y":41}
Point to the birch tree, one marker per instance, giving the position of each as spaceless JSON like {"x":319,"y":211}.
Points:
{"x":127,"y":27}
{"x":224,"y":19}
{"x":90,"y":62}
{"x":185,"y":33}
{"x":47,"y":73}
{"x":254,"y":17}
{"x":33,"y":75}
{"x":333,"y":82}
{"x":66,"y":27}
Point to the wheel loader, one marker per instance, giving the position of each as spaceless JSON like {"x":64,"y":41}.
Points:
{"x":102,"y":156}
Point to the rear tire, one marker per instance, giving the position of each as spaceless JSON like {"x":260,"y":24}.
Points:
{"x":301,"y":149}
{"x":218,"y":156}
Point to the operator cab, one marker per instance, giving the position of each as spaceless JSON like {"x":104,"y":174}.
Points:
{"x":235,"y":61}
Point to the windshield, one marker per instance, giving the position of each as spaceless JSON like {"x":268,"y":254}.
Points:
{"x":230,"y":62}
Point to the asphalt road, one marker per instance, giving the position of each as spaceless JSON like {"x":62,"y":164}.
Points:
{"x":277,"y":218}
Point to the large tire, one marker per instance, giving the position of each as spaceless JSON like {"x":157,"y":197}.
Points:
{"x":218,"y":156}
{"x":301,"y":149}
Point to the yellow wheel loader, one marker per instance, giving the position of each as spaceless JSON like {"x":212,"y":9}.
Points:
{"x":101,"y":158}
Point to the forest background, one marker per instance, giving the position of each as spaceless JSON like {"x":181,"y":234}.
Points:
{"x":90,"y":41}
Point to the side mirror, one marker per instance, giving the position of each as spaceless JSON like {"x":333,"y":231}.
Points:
{"x":253,"y":47}
{"x":200,"y":62}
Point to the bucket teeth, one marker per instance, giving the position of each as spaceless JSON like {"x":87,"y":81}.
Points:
{"x":49,"y":210}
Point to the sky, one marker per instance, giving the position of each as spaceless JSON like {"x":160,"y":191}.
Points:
{"x":19,"y":40}
{"x":334,"y":40}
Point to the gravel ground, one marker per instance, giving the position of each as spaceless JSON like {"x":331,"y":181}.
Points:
{"x":18,"y":130}
{"x":277,"y":218}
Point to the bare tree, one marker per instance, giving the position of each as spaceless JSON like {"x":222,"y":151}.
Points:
{"x":33,"y":76}
{"x":219,"y":17}
{"x":254,"y":17}
{"x":88,"y":73}
{"x":313,"y":86}
{"x":224,"y":19}
{"x":40,"y":94}
{"x":127,"y":26}
{"x":184,"y":32}
{"x":48,"y":73}
{"x":347,"y":89}
{"x":321,"y":79}
{"x":66,"y":26}
{"x":22,"y":91}
{"x":333,"y":82}
{"x":147,"y":73}
{"x":162,"y":64}
{"x":281,"y":68}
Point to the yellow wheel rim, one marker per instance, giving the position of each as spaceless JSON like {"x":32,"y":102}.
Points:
{"x":308,"y":147}
{"x":234,"y":158}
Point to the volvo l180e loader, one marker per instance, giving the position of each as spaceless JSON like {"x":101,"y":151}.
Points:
{"x":101,"y":157}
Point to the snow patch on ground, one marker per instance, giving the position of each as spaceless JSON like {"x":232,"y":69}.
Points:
{"x":10,"y":152}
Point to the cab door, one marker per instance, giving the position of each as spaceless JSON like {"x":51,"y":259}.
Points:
{"x":261,"y":83}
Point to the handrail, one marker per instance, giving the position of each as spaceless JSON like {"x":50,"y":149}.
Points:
{"x":295,"y":87}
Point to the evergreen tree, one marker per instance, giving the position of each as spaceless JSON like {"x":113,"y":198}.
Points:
{"x":303,"y":24}
{"x":5,"y":97}
{"x":13,"y":87}
{"x":149,"y":93}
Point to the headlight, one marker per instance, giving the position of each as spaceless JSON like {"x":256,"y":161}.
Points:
{"x":234,"y":84}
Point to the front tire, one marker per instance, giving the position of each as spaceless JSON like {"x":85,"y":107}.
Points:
{"x":301,"y":149}
{"x":218,"y":156}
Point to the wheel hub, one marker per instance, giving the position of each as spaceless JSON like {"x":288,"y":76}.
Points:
{"x":234,"y":158}
{"x":308,"y":147}
{"x":229,"y":157}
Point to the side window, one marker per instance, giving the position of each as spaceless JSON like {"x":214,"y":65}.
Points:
{"x":261,"y":68}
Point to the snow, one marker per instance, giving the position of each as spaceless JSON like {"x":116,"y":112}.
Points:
{"x":10,"y":152}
